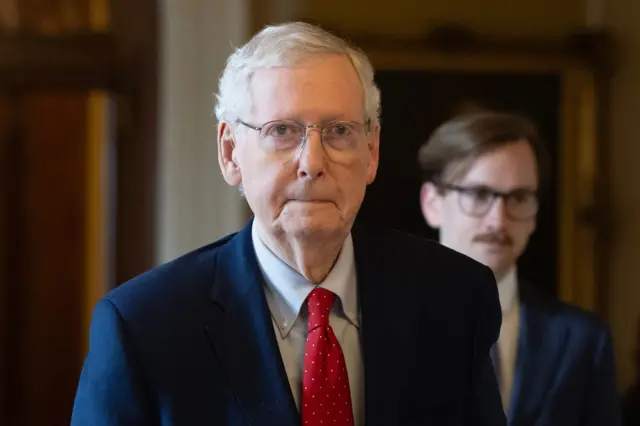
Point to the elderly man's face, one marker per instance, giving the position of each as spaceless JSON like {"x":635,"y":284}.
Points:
{"x":310,"y":188}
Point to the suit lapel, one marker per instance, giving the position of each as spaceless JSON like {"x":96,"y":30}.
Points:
{"x":242,"y":337}
{"x":539,"y":350}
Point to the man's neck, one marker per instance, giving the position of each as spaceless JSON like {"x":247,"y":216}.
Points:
{"x":508,"y":288}
{"x":313,"y":256}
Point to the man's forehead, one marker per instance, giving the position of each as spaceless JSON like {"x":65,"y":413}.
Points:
{"x":321,"y":68}
{"x":484,"y":171}
{"x":297,"y":92}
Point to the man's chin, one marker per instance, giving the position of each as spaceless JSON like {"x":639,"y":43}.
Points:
{"x":320,"y":227}
{"x":498,"y":266}
{"x":311,"y":227}
{"x":313,"y":219}
{"x":496,"y":261}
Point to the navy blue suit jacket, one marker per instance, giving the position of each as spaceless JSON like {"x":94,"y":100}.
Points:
{"x":565,"y":373}
{"x":192,"y":342}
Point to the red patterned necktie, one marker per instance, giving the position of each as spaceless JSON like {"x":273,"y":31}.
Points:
{"x":326,"y":397}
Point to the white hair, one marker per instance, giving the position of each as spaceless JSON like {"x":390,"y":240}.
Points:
{"x":288,"y":45}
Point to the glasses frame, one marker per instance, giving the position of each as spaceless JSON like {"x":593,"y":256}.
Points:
{"x":366,"y":127}
{"x":495,"y":194}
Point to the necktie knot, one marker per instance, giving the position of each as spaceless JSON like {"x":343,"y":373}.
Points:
{"x":319,"y":304}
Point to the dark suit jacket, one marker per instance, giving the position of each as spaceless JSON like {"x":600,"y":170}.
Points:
{"x":565,"y":373}
{"x":192,"y":342}
{"x":631,"y":406}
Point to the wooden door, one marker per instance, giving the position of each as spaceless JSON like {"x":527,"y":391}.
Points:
{"x":55,"y":246}
{"x":77,"y":185}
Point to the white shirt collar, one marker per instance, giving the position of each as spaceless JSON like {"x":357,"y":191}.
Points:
{"x":508,"y":290}
{"x":286,"y":289}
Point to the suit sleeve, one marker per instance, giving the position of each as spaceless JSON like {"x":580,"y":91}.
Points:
{"x":486,"y":404}
{"x":602,"y":405}
{"x":110,"y":391}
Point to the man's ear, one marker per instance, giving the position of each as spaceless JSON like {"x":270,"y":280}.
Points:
{"x":374,"y":154}
{"x":227,"y":155}
{"x":431,"y":204}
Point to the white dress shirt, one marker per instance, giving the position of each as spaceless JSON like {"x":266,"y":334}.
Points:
{"x":286,"y":291}
{"x":509,"y":331}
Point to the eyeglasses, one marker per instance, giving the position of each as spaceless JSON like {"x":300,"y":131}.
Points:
{"x":476,"y":201}
{"x":287,"y":135}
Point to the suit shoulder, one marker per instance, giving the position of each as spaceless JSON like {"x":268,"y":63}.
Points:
{"x":453,"y":273}
{"x":575,"y":318}
{"x":583,"y":318}
{"x":460,"y":283}
{"x":186,"y":276}
{"x":420,"y":249}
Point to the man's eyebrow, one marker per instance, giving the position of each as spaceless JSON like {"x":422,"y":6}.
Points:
{"x":325,"y":119}
{"x":479,"y":185}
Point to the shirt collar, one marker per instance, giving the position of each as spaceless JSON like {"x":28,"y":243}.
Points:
{"x":286,"y":289}
{"x":508,"y":290}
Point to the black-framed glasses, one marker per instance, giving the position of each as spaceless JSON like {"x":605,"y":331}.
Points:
{"x":288,"y":134}
{"x":476,"y":201}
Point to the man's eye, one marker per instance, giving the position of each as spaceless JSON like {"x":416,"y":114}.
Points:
{"x":481,"y":195}
{"x":522,"y":197}
{"x":339,"y":130}
{"x":280,"y":130}
{"x":283,"y":130}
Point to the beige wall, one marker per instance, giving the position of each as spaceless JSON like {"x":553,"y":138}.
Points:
{"x":195,"y":205}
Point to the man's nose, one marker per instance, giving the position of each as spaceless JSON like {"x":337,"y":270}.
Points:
{"x":312,"y":158}
{"x":497,"y":215}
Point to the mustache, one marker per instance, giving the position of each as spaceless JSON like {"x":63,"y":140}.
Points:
{"x":494,"y":238}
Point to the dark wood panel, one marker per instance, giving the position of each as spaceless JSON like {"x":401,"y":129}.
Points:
{"x":12,"y":247}
{"x":43,"y":211}
{"x":76,"y":61}
{"x":47,"y":244}
{"x":6,"y":182}
{"x":137,"y":139}
{"x":124,"y":59}
{"x":46,"y":16}
{"x":55,"y":238}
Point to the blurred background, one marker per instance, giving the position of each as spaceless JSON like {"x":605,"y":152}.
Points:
{"x":108,"y":160}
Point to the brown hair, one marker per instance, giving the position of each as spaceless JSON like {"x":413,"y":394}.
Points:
{"x":461,"y":140}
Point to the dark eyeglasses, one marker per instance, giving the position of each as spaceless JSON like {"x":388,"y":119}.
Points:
{"x":476,"y":201}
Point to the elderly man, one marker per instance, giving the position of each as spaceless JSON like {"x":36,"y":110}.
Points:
{"x":302,"y":317}
{"x":483,"y":173}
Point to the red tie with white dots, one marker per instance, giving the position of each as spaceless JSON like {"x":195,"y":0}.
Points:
{"x":326,"y":397}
